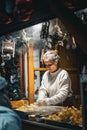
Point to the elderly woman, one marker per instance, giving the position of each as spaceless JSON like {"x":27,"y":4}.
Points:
{"x":56,"y":84}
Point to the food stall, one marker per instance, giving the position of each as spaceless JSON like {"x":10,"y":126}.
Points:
{"x":61,"y":118}
{"x":18,"y":61}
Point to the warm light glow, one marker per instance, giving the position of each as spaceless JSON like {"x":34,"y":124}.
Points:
{"x":37,"y":27}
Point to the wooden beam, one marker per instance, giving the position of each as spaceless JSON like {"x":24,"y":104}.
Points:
{"x":40,"y":69}
{"x":22,"y":88}
{"x":30,"y":74}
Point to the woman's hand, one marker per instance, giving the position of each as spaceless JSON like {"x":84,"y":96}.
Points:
{"x":41,"y":102}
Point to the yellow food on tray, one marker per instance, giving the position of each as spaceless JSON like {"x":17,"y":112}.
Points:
{"x":28,"y":108}
{"x":69,"y":114}
{"x":18,"y":103}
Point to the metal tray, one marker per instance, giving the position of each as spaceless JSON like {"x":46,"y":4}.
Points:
{"x":61,"y":124}
{"x":47,"y":110}
{"x":40,"y":110}
{"x":42,"y":119}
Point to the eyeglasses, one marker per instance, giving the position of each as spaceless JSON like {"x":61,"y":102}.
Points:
{"x":49,"y":65}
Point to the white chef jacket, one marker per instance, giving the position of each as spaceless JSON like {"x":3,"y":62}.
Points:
{"x":55,"y":87}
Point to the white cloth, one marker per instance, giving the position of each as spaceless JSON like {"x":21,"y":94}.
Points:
{"x":55,"y":87}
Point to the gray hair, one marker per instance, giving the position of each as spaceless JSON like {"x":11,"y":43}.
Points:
{"x":51,"y":55}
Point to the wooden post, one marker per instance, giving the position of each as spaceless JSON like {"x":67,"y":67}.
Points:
{"x":30,"y":74}
{"x":22,"y":87}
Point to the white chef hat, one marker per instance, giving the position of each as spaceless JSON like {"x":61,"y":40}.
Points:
{"x":51,"y":55}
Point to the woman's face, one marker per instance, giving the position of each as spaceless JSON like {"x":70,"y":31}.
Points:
{"x":52,"y":66}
